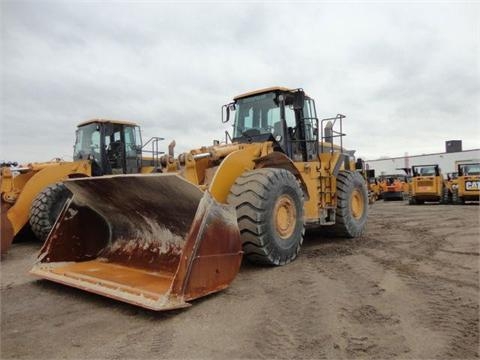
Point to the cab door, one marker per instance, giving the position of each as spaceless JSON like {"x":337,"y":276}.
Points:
{"x":114,"y":149}
{"x":133,"y":149}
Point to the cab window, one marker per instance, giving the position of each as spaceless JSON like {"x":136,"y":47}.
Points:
{"x":130,"y":148}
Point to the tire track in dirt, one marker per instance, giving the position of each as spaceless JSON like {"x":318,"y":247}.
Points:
{"x":450,"y":311}
{"x":139,"y":343}
{"x":367,"y":332}
{"x":421,"y":247}
{"x":292,"y":323}
{"x":443,"y":310}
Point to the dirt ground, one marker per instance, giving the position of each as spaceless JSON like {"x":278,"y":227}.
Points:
{"x":408,"y":289}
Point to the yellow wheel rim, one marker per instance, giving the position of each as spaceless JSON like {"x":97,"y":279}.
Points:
{"x":285,"y":216}
{"x":357,"y":204}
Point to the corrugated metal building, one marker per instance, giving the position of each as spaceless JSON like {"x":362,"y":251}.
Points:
{"x":446,"y":160}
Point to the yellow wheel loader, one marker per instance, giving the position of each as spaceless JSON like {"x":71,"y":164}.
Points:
{"x":162,"y":240}
{"x":32,"y":195}
{"x":427,"y":185}
{"x":466,"y":186}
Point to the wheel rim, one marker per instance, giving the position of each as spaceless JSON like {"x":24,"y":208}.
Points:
{"x":357,"y":204}
{"x":285,"y":215}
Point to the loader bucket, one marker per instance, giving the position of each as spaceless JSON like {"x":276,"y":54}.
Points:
{"x":155,"y":241}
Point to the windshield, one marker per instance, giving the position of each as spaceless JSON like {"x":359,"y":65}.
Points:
{"x":260,"y":115}
{"x":424,"y":170}
{"x":87,"y":142}
{"x":470,"y":169}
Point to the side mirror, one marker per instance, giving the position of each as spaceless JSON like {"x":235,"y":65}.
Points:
{"x":226,"y":111}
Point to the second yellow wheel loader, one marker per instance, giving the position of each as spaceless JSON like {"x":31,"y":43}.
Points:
{"x":34,"y":194}
{"x":161,"y":240}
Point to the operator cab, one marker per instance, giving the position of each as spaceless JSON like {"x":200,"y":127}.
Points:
{"x":285,"y":116}
{"x":469,"y":169}
{"x":114,"y":147}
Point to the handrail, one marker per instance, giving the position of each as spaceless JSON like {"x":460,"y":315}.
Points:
{"x":153,"y":141}
{"x":334,"y":133}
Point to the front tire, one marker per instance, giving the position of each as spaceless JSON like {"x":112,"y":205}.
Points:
{"x":269,"y":204}
{"x":45,"y":209}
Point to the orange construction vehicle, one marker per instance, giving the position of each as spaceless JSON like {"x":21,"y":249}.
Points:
{"x":393,"y":187}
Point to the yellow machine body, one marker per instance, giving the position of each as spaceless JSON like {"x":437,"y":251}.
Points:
{"x":19,"y":190}
{"x":468,"y":186}
{"x":427,"y":185}
{"x":235,"y":159}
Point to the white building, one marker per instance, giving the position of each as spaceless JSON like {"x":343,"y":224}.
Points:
{"x":446,"y":161}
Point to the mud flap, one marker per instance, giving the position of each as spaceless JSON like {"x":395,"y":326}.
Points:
{"x":6,"y":229}
{"x":155,"y":241}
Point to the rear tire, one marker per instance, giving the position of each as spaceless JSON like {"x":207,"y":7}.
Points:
{"x":269,"y":204}
{"x":446,"y":199}
{"x":352,"y":205}
{"x":45,"y":209}
{"x":414,"y":201}
{"x":456,"y":198}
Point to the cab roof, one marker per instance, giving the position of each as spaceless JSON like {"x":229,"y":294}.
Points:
{"x":261,"y":91}
{"x":119,"y":122}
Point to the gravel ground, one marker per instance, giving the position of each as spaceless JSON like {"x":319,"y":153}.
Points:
{"x":408,"y":289}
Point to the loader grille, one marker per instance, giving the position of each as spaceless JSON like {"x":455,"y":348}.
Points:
{"x":425,"y":183}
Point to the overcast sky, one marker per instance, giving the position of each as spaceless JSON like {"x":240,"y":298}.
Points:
{"x":406,"y":75}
